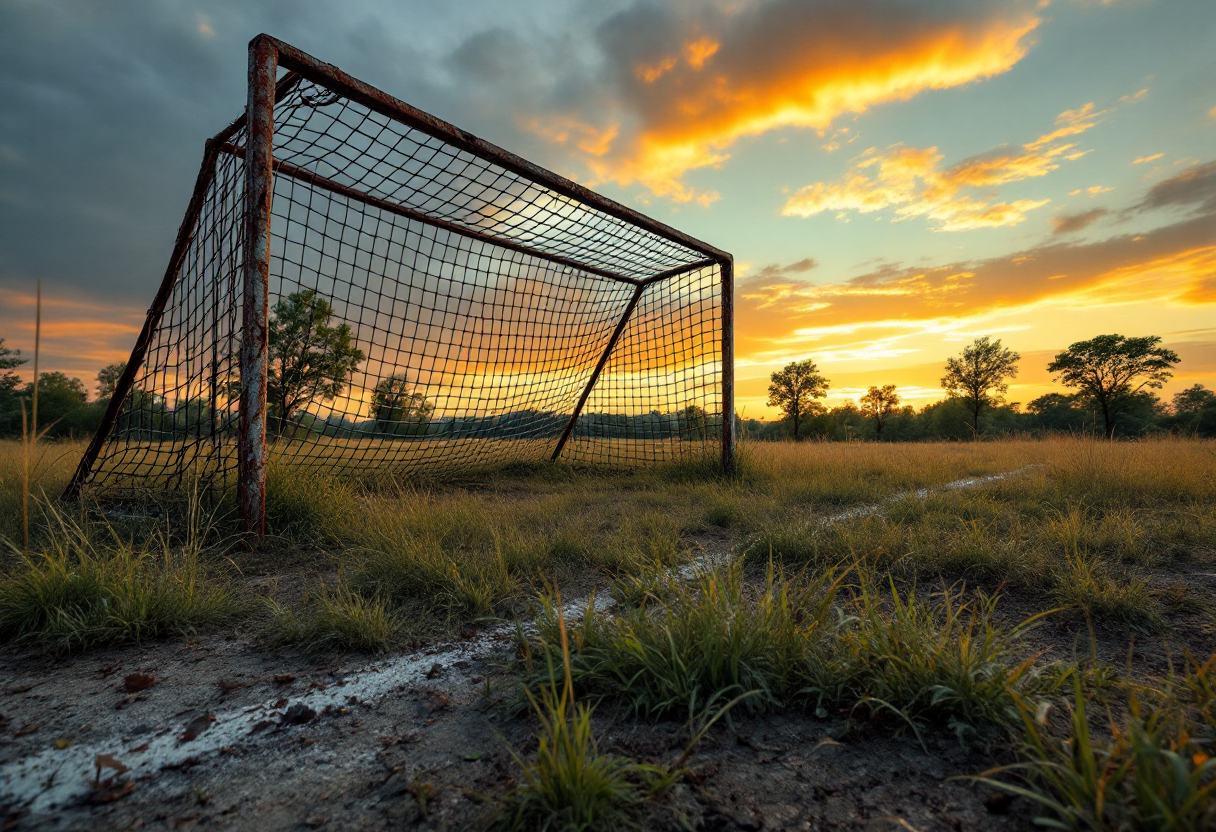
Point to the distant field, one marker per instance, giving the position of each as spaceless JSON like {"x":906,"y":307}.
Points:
{"x":897,"y":598}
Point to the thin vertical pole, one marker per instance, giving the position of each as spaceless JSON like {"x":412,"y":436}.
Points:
{"x":259,"y":191}
{"x":728,"y":364}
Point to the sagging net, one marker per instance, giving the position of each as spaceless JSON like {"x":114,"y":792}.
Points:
{"x":429,"y":310}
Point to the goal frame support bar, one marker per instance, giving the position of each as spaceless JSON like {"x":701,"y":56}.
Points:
{"x":255,"y":311}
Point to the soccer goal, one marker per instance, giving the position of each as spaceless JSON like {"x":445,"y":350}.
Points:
{"x":359,"y":287}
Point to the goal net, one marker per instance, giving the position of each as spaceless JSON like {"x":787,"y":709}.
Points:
{"x":428,"y":301}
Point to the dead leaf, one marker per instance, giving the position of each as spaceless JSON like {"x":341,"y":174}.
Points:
{"x":109,"y":761}
{"x":138,"y":748}
{"x":109,"y":791}
{"x":62,"y":743}
{"x":435,"y":671}
{"x":284,"y":678}
{"x":135,"y":682}
{"x":227,"y":686}
{"x":197,"y":726}
{"x":26,"y":729}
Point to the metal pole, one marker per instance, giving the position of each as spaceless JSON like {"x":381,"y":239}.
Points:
{"x":255,"y":313}
{"x":727,"y":267}
{"x":595,"y":374}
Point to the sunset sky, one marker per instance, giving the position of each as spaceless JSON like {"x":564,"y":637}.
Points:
{"x":894,"y":178}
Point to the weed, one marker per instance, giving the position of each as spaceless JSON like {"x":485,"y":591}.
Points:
{"x":336,"y":618}
{"x":78,"y":593}
{"x":1086,"y":583}
{"x":942,"y":658}
{"x":699,"y":643}
{"x":571,"y":785}
{"x":1150,"y":774}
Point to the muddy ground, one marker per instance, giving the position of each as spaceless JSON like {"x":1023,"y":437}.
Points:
{"x":422,"y":755}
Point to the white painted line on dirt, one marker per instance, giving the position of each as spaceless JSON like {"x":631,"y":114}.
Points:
{"x":56,"y":777}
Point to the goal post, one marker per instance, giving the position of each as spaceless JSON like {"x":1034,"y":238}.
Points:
{"x":358,"y":286}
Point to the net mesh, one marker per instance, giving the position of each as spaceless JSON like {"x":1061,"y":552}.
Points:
{"x":429,"y":309}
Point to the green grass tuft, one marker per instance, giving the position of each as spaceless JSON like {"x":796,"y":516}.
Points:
{"x":336,"y":618}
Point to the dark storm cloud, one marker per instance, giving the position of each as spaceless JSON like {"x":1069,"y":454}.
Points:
{"x":1071,"y":223}
{"x":106,"y":107}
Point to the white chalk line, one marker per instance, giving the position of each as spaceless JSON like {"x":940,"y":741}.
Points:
{"x":57,"y":777}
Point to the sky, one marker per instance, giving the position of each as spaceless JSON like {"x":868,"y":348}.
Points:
{"x":893,"y":178}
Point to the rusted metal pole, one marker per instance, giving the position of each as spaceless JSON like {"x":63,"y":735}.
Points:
{"x":595,"y":374}
{"x":727,"y":267}
{"x":255,"y":313}
{"x":185,"y":234}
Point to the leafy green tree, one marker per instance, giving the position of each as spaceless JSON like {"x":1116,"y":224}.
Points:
{"x":1060,"y":411}
{"x":877,"y":403}
{"x":107,"y":379}
{"x":59,"y":397}
{"x":1195,"y":411}
{"x":1193,"y":399}
{"x":396,"y":404}
{"x":693,"y":423}
{"x":978,"y":376}
{"x":1111,"y":369}
{"x":309,"y":359}
{"x":10,"y":382}
{"x":794,"y":390}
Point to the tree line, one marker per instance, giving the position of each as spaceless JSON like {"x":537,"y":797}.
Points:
{"x":312,"y":360}
{"x":1111,"y":379}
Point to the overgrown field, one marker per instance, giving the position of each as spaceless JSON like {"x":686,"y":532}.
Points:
{"x":1060,"y":619}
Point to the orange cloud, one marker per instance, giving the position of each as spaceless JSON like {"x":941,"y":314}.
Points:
{"x":1143,"y":159}
{"x":910,"y":180}
{"x":877,"y":315}
{"x":692,"y":86}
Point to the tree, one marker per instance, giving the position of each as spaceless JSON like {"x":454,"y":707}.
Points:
{"x":693,"y":423}
{"x":10,"y":404}
{"x":9,"y":361}
{"x":978,"y":376}
{"x":878,"y":403}
{"x":58,"y":397}
{"x":395,"y":402}
{"x":107,"y":379}
{"x":1193,"y":399}
{"x":1110,"y":370}
{"x":794,"y":390}
{"x":309,"y":359}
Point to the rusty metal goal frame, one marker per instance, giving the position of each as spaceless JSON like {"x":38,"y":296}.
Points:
{"x":267,"y":56}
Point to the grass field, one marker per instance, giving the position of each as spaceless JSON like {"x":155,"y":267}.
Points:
{"x":1061,"y":618}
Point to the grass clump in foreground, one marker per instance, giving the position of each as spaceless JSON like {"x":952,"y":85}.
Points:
{"x":1155,"y":770}
{"x":335,"y":618}
{"x":572,"y":786}
{"x":820,"y":644}
{"x":78,"y":592}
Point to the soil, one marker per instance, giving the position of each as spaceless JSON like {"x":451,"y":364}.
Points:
{"x":232,"y":738}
